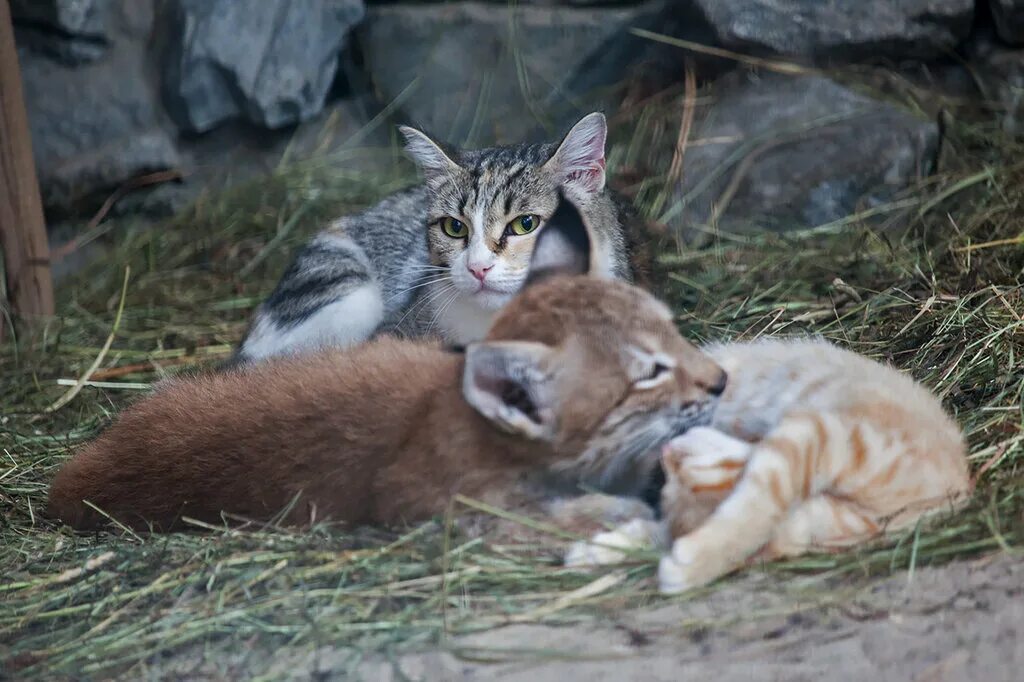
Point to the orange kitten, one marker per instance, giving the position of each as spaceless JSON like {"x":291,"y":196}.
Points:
{"x":811,"y":448}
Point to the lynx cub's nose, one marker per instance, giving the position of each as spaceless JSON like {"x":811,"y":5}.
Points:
{"x":718,"y":387}
{"x":480,"y":272}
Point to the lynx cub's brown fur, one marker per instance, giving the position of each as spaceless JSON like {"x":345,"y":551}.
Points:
{"x":577,"y":380}
{"x":811,"y":448}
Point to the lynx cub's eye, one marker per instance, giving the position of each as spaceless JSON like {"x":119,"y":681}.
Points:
{"x":658,"y":373}
{"x":455,"y":229}
{"x":524,"y":224}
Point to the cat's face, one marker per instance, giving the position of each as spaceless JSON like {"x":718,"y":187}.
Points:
{"x":487,"y":207}
{"x":595,"y":368}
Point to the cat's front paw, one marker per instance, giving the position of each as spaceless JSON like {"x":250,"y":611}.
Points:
{"x":705,"y":459}
{"x":705,"y":446}
{"x":587,"y":555}
{"x":612,"y":547}
{"x":672,"y":576}
{"x":680,"y":570}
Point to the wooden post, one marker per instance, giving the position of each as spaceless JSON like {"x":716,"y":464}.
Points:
{"x":22,"y":228}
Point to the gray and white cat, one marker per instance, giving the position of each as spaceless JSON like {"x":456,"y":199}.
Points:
{"x":444,"y":257}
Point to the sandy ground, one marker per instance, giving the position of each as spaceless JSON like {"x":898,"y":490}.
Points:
{"x":964,"y":621}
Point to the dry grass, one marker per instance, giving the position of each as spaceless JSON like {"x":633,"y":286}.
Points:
{"x":941,"y":298}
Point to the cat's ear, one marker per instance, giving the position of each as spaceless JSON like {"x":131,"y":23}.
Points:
{"x":427,"y":154}
{"x":510,"y":383}
{"x":562,"y":246}
{"x":579,"y":159}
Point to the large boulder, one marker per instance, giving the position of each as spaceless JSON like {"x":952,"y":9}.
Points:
{"x":998,"y":72}
{"x":1009,"y":20}
{"x":793,"y":152}
{"x":841,"y":29}
{"x":477,"y":73}
{"x":83,"y":18}
{"x":95,"y":125}
{"x":73,"y":31}
{"x":271,"y":62}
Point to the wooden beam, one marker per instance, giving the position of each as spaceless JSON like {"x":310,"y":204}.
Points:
{"x":22,"y":227}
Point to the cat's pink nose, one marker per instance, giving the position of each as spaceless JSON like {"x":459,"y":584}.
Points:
{"x":480,"y":272}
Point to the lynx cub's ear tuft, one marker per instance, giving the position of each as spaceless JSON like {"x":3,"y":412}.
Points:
{"x":579,"y":160}
{"x":509,"y":383}
{"x":428,"y":155}
{"x":562,"y":247}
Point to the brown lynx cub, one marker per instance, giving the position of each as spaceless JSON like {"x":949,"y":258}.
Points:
{"x":577,"y":380}
{"x":811,"y":448}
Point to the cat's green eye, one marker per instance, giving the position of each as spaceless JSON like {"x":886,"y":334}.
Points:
{"x":524,"y":224}
{"x":456,"y":229}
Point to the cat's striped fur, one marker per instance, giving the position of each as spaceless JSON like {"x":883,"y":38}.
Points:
{"x":812,"y":447}
{"x":393,"y":268}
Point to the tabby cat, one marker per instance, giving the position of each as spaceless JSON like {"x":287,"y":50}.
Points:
{"x":811,"y":447}
{"x":443,"y":257}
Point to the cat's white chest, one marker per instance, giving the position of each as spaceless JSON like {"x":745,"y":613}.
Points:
{"x":463,"y":321}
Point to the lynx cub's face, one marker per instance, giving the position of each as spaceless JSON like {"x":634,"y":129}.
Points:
{"x":595,"y":368}
{"x":488,"y":207}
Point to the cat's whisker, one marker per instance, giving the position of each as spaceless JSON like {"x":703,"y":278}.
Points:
{"x":436,"y":280}
{"x":416,"y":277}
{"x":424,"y":301}
{"x":447,"y":301}
{"x":440,"y":311}
{"x":425,"y":266}
{"x":439,"y":293}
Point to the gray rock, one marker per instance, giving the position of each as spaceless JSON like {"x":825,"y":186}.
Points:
{"x":99,"y":124}
{"x":73,"y":31}
{"x":271,"y":62}
{"x":841,"y":29}
{"x":796,"y":152}
{"x":82,"y":18}
{"x":475,"y":73}
{"x":1009,"y":20}
{"x":999,"y":72}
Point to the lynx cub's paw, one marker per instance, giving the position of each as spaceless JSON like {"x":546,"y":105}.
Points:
{"x":607,"y":547}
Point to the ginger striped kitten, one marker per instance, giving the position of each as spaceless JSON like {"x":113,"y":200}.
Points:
{"x":811,"y":447}
{"x":578,"y":380}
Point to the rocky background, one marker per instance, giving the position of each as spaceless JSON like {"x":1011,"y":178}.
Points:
{"x":217,"y":90}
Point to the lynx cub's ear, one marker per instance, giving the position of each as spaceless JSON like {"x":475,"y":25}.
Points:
{"x":427,"y":154}
{"x":562,"y":247}
{"x":509,"y":383}
{"x":579,"y":160}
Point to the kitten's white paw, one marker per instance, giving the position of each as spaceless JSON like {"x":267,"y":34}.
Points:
{"x":706,"y":446}
{"x":678,"y":570}
{"x":672,"y":576}
{"x":610,"y":547}
{"x":706,"y":458}
{"x":586,"y":555}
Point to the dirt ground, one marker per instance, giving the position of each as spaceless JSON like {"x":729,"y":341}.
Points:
{"x":963,"y":621}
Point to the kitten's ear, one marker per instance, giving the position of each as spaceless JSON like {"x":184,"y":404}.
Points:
{"x":511,"y":385}
{"x":427,"y":154}
{"x":562,"y":247}
{"x":579,"y":160}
